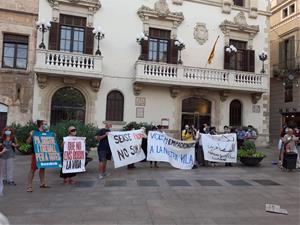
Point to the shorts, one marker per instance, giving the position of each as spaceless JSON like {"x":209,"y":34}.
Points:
{"x":104,"y":155}
{"x":33,"y":162}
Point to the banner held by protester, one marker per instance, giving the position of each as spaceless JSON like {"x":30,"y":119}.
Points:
{"x":126,"y":147}
{"x":161,"y":147}
{"x":74,"y":155}
{"x":46,"y":150}
{"x":220,"y":148}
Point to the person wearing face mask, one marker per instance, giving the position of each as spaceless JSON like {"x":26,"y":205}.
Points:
{"x":9,"y":144}
{"x":68,"y":176}
{"x":41,"y":127}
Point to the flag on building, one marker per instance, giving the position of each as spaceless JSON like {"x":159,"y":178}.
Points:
{"x":212,"y":53}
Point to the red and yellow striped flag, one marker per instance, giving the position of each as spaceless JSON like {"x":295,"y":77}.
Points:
{"x":212,"y":53}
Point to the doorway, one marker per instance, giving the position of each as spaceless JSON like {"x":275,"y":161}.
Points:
{"x":195,"y":111}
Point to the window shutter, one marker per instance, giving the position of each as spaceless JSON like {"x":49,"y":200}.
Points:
{"x":281,"y":55}
{"x":173,"y":54}
{"x":226,"y":60}
{"x":89,"y":40}
{"x":291,"y":53}
{"x":144,"y":50}
{"x":250,"y":60}
{"x":54,"y":36}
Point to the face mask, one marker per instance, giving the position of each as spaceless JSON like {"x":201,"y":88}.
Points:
{"x":7,"y":132}
{"x":45,"y":127}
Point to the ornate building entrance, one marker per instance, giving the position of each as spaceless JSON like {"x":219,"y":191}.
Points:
{"x":195,"y":111}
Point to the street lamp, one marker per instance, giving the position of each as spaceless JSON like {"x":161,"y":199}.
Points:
{"x":289,"y":79}
{"x":99,"y":35}
{"x":141,"y":37}
{"x":43,"y":26}
{"x":180,"y":46}
{"x":231,"y":50}
{"x":263,"y":57}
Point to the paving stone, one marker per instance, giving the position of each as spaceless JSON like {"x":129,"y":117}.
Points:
{"x":238,"y":182}
{"x":147,"y":183}
{"x":266,"y":182}
{"x":178,"y":183}
{"x":115,"y":183}
{"x":84,"y":184}
{"x":208,"y":183}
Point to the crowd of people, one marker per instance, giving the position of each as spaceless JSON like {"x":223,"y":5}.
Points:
{"x":289,"y":138}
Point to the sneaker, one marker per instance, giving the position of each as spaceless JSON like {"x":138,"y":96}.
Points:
{"x":11,"y":183}
{"x":100,"y":177}
{"x":105,"y":174}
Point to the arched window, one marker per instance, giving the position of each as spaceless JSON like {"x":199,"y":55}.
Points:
{"x":3,"y":116}
{"x":114,"y":106}
{"x":67,"y":103}
{"x":235,"y":118}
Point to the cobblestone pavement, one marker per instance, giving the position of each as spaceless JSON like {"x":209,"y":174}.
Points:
{"x":164,"y":195}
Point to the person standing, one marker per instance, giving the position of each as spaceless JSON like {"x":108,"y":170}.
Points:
{"x":292,"y":141}
{"x":187,"y":134}
{"x":2,"y":151}
{"x":227,"y":131}
{"x":41,"y":127}
{"x":9,"y":143}
{"x":104,"y":152}
{"x":68,"y":176}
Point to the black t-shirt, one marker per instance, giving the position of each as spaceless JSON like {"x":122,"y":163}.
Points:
{"x":103,"y":144}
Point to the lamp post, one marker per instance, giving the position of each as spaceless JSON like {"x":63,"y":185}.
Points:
{"x":231,"y":50}
{"x":180,"y":46}
{"x":289,"y":79}
{"x":43,"y":26}
{"x":263,"y":57}
{"x":139,"y":39}
{"x":99,"y":35}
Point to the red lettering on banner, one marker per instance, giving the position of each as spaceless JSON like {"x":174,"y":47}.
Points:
{"x":78,"y":146}
{"x":138,"y":136}
{"x":71,"y":146}
{"x":78,"y":155}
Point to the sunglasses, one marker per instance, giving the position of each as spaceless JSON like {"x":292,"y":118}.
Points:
{"x":73,"y":130}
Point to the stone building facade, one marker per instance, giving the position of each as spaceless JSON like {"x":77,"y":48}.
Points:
{"x":285,"y":65}
{"x":17,"y":57}
{"x":151,"y":78}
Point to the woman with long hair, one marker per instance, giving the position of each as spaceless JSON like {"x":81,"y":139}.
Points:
{"x":9,"y":144}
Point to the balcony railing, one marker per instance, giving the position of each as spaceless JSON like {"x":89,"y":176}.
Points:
{"x":68,"y":63}
{"x":170,"y":74}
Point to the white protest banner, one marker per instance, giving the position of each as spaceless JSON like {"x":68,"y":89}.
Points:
{"x":74,"y":155}
{"x":161,"y":147}
{"x":126,"y":147}
{"x":219,"y":148}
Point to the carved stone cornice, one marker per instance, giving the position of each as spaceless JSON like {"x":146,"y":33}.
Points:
{"x":95,"y":84}
{"x":174,"y":91}
{"x":239,"y":24}
{"x":201,"y":33}
{"x":255,"y":97}
{"x":137,"y":89}
{"x":42,"y":80}
{"x":160,"y":11}
{"x":92,"y":5}
{"x":224,"y":95}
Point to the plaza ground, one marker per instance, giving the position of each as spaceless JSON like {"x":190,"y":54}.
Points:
{"x":207,"y":195}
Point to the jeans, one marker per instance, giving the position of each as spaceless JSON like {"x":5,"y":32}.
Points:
{"x":8,"y":169}
{"x":1,"y":176}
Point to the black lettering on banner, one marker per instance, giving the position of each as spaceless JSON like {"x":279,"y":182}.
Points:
{"x":134,"y":149}
{"x":122,"y":138}
{"x":123,"y":153}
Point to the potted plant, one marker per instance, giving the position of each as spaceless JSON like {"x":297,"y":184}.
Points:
{"x":248,"y":154}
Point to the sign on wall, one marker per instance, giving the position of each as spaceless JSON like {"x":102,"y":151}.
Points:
{"x":46,"y":150}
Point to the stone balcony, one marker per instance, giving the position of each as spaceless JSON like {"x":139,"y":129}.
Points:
{"x":69,"y":66}
{"x":155,"y":73}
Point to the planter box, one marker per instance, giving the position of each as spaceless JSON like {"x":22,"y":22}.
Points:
{"x":251,"y":161}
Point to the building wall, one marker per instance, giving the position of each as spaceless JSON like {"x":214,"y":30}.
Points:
{"x":16,"y":86}
{"x":121,"y":23}
{"x":282,"y":29}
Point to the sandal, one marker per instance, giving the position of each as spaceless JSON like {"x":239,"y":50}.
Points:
{"x":44,"y":186}
{"x":29,"y":189}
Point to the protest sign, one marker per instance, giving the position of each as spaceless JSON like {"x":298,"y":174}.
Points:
{"x":161,"y":147}
{"x":220,"y":148}
{"x":46,"y":150}
{"x":126,"y":147}
{"x":74,"y":155}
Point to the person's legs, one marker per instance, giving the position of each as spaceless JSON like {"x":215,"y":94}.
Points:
{"x":5,"y":170}
{"x":31,"y":173}
{"x":42,"y":177}
{"x":1,"y":176}
{"x":10,"y":170}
